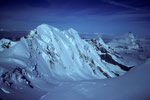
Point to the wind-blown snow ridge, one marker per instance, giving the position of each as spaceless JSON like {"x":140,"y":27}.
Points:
{"x":51,"y":54}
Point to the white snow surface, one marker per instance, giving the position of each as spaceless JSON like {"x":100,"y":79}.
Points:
{"x":132,"y":86}
{"x":59,"y":65}
{"x":5,"y":44}
{"x":56,"y":55}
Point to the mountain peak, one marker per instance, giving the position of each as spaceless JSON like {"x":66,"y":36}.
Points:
{"x":47,"y":27}
{"x":71,"y":30}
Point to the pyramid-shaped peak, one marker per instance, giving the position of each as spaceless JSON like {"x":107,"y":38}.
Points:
{"x":130,"y":35}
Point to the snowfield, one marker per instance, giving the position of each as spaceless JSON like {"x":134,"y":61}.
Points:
{"x":50,"y":64}
{"x":132,"y":86}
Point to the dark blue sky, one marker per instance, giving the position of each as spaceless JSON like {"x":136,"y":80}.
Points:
{"x":87,"y":16}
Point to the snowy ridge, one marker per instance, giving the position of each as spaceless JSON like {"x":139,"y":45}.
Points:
{"x":52,"y":64}
{"x":5,"y":43}
{"x":50,"y":54}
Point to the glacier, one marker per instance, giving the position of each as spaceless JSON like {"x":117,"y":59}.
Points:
{"x":49,"y":63}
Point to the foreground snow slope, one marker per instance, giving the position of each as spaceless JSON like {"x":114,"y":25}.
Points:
{"x":132,"y":86}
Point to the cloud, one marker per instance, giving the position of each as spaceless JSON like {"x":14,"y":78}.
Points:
{"x":121,"y":5}
{"x":83,"y":15}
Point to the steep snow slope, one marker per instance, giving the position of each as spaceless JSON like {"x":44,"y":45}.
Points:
{"x":57,"y":54}
{"x":48,"y":55}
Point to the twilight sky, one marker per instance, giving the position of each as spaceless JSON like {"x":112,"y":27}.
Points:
{"x":87,"y":16}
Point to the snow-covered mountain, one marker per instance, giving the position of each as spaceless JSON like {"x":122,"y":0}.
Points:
{"x":52,"y":64}
{"x":128,"y":42}
{"x":134,"y":50}
{"x":51,"y":54}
